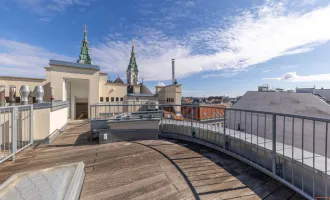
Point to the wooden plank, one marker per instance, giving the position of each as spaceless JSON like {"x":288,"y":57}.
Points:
{"x":296,"y":197}
{"x":264,"y":190}
{"x":148,"y":169}
{"x":282,"y":193}
{"x":111,"y":192}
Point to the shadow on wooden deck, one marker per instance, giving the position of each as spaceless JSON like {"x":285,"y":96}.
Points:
{"x":149,"y":169}
{"x":238,"y":180}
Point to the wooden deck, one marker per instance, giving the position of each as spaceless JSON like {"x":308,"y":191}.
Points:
{"x":154,"y":169}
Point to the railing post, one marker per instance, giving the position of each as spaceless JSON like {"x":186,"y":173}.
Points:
{"x":31,"y":124}
{"x":274,"y":145}
{"x":193,"y":131}
{"x":95,"y":111}
{"x":224,"y":122}
{"x":90,"y":121}
{"x":162,"y":118}
{"x":14,"y":131}
{"x":224,"y":128}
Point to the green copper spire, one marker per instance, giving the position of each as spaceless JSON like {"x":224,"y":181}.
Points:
{"x":84,"y":57}
{"x":132,"y":66}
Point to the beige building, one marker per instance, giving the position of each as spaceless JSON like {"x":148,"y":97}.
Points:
{"x":83,"y":84}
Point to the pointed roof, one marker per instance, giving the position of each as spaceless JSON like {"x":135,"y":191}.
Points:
{"x":118,"y":80}
{"x":84,"y":56}
{"x":132,"y":66}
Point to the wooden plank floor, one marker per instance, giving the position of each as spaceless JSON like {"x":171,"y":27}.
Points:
{"x":153,"y":169}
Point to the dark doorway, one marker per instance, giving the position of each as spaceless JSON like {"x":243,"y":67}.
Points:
{"x":81,"y":110}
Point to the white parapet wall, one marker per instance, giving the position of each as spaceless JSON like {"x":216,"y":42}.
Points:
{"x":58,"y":119}
{"x":49,"y":119}
{"x":40,"y":123}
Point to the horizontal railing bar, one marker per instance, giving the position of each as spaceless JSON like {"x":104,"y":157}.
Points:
{"x":20,"y":122}
{"x":215,"y":107}
{"x":202,"y":125}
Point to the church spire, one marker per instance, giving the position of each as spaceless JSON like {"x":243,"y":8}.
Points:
{"x":132,"y":66}
{"x":84,"y":56}
{"x":132,"y":46}
{"x":132,"y":69}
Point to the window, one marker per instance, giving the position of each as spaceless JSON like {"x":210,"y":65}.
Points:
{"x":101,"y":99}
{"x":121,"y":99}
{"x":107,"y":99}
{"x":172,"y":100}
{"x":34,"y":99}
{"x":18,"y":99}
{"x":117,"y":99}
{"x":167,"y":99}
{"x":112,"y":99}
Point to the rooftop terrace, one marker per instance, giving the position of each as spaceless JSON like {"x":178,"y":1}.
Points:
{"x":149,"y":169}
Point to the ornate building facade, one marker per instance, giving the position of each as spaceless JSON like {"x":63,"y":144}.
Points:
{"x":82,"y":84}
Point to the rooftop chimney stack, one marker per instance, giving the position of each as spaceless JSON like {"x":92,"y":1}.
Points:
{"x":173,"y":71}
{"x":12,"y":95}
{"x":2,"y":95}
{"x":52,"y":93}
{"x":39,"y":93}
{"x":25,"y":92}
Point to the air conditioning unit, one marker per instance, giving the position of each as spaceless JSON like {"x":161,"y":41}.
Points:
{"x":152,"y":105}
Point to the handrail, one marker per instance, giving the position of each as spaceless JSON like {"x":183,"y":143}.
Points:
{"x":253,"y":136}
{"x":16,"y":124}
{"x":234,"y":109}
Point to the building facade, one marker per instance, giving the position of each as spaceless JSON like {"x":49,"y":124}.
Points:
{"x":83,"y":84}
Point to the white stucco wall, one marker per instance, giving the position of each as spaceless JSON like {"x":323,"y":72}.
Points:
{"x":57,"y":119}
{"x":45,"y":122}
{"x":58,"y":73}
{"x":41,"y":123}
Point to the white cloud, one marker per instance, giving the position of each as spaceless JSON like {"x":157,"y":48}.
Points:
{"x":253,"y":37}
{"x":48,"y":8}
{"x":288,"y":66}
{"x":293,"y":77}
{"x":229,"y":74}
{"x":20,"y":59}
{"x":161,"y":84}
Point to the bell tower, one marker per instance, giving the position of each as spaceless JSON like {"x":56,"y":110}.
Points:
{"x":132,"y":71}
{"x":84,"y":56}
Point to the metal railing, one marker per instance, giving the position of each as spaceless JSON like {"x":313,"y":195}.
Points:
{"x":293,"y":149}
{"x":16,"y":130}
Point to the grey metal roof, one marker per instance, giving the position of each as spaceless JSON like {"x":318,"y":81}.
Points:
{"x":140,"y":95}
{"x":118,"y":80}
{"x":283,"y":102}
{"x":145,"y":90}
{"x":17,"y":77}
{"x":72,"y":64}
{"x":323,"y":92}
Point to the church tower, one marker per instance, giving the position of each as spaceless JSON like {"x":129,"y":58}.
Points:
{"x":132,"y":71}
{"x":84,"y":57}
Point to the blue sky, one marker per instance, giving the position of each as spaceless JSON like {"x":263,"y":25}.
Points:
{"x":220,"y":47}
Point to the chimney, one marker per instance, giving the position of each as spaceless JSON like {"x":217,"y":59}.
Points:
{"x":52,"y":93}
{"x":39,"y":93}
{"x":12,"y":95}
{"x":173,"y":71}
{"x":2,"y":95}
{"x":25,"y":92}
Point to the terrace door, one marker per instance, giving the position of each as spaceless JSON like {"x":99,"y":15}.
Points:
{"x":81,"y":110}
